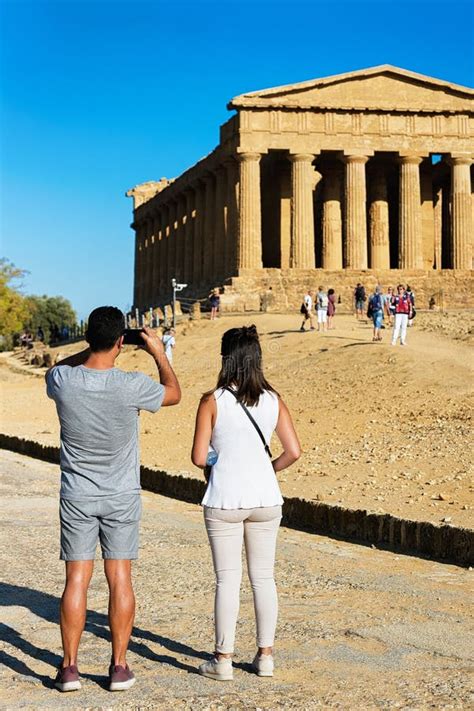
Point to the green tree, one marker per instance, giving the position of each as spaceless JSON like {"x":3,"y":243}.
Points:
{"x":13,"y":307}
{"x":49,"y":313}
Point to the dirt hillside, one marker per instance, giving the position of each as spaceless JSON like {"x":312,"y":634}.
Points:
{"x":382,"y":428}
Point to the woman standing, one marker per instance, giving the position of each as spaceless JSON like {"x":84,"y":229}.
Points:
{"x":215,"y":301}
{"x":376,"y":305}
{"x":331,"y":308}
{"x":243,"y":502}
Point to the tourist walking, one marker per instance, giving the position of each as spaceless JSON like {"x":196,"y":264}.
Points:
{"x":375,"y":312}
{"x":359,"y":301}
{"x":242,"y":503}
{"x":307,"y":310}
{"x":322,"y":308}
{"x":411,"y":295}
{"x":389,"y":307}
{"x":98,"y":407}
{"x":215,"y":301}
{"x":331,"y":308}
{"x":169,"y":342}
{"x":403,"y":309}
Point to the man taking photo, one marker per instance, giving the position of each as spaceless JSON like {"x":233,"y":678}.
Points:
{"x":98,"y":407}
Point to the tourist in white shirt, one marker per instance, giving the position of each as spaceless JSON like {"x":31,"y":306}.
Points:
{"x":243,"y":500}
{"x":307,"y":310}
{"x":169,"y":342}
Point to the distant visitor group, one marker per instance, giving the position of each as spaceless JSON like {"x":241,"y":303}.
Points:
{"x":397,"y":306}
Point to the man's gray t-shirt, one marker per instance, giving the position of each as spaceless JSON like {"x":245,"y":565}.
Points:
{"x":98,"y":411}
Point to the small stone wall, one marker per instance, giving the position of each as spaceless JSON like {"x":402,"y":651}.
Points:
{"x":280,"y":290}
{"x":449,"y":544}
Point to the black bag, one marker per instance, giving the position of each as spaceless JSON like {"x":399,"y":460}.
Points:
{"x":267,"y":448}
{"x":303,"y":309}
{"x":413,"y":313}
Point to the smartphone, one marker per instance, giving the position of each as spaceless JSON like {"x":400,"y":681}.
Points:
{"x":132,"y":337}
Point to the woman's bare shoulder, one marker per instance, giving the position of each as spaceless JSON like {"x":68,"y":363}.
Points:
{"x":208,"y":398}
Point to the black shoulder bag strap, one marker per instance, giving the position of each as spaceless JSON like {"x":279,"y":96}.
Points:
{"x":267,"y":448}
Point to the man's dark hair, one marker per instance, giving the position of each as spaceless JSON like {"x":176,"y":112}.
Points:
{"x":104,"y":327}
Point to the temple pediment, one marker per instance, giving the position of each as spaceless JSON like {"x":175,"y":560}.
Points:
{"x":385,"y":88}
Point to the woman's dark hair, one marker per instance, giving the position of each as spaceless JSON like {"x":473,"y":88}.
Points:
{"x":105,"y":325}
{"x":330,"y":292}
{"x":242,"y":365}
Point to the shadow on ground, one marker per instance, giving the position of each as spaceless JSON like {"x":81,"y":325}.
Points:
{"x":46,"y":606}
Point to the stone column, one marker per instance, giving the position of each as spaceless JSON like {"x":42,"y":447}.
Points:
{"x":181,"y":209}
{"x":188,"y":237}
{"x":438,"y":226}
{"x":208,"y":234}
{"x":410,"y":254}
{"x":302,"y":218}
{"x":355,"y":213}
{"x":172,"y":213}
{"x":161,"y":249}
{"x":249,"y":248}
{"x":155,"y":279}
{"x":141,"y":266}
{"x":147,"y":263}
{"x":461,"y":216}
{"x":332,"y":221}
{"x":165,"y":231}
{"x":136,"y":277}
{"x":379,"y":222}
{"x":219,"y":223}
{"x":232,"y":218}
{"x":198,"y":233}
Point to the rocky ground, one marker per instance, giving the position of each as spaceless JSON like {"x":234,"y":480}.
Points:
{"x":358,"y":628}
{"x":383,"y":428}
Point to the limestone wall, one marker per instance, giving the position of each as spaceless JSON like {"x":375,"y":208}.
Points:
{"x":278,"y":290}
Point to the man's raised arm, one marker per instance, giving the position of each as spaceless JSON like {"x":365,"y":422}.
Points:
{"x":154,"y":347}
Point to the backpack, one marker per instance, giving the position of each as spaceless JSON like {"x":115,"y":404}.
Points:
{"x":323,"y":301}
{"x":376,"y":301}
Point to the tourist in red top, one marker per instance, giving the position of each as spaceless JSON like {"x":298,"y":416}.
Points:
{"x":403,"y":309}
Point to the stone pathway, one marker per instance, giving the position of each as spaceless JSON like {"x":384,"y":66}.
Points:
{"x":359,"y":628}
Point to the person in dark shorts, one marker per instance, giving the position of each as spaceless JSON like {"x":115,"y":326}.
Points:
{"x":98,"y":407}
{"x":214,"y":300}
{"x":331,"y":308}
{"x":359,"y":301}
{"x":307,"y":311}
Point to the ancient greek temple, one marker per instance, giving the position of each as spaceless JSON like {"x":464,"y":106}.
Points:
{"x":361,"y":173}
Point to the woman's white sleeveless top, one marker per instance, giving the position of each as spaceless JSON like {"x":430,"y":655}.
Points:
{"x":243,"y":476}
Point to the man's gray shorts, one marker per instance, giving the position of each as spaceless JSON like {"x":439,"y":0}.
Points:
{"x":114,"y":521}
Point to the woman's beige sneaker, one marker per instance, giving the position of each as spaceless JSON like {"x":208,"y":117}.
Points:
{"x":263,"y":665}
{"x":221,"y":670}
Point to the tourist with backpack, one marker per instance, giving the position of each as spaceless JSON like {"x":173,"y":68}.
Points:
{"x":403,"y":310}
{"x":307,"y":311}
{"x":359,"y":300}
{"x":375,"y":312}
{"x":322,"y":303}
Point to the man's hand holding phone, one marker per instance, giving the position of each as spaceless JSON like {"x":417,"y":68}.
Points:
{"x":152,"y":343}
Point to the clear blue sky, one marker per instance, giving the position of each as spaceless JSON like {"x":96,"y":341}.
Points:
{"x":100,"y":95}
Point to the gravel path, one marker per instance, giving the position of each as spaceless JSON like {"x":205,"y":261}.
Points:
{"x":359,"y":628}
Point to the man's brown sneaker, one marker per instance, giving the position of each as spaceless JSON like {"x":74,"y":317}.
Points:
{"x":67,"y":679}
{"x":120,"y":678}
